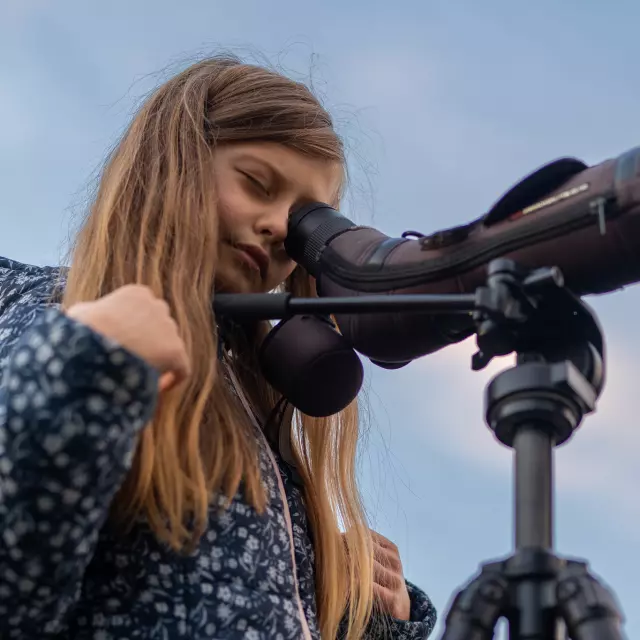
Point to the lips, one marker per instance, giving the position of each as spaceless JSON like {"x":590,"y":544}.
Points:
{"x":257,"y":256}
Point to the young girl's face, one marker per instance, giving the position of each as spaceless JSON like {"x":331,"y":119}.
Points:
{"x":258,"y":186}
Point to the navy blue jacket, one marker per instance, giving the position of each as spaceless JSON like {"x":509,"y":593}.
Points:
{"x":71,"y":406}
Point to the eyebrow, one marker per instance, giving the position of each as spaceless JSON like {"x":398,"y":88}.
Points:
{"x":265,"y":163}
{"x":279,"y":175}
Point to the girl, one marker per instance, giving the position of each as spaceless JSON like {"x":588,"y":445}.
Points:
{"x":140,"y":494}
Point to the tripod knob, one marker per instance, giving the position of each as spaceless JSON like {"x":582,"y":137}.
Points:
{"x":555,"y":395}
{"x":476,"y":609}
{"x":589,"y":609}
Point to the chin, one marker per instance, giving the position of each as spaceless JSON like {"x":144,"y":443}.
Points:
{"x":237,"y":283}
{"x":234,"y":276}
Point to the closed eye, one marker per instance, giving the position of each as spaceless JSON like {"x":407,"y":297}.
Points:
{"x":256,"y":183}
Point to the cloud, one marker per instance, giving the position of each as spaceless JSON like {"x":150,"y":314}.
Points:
{"x":596,"y":465}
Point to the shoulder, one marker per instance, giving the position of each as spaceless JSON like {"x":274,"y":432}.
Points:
{"x":25,"y":292}
{"x":27,"y":283}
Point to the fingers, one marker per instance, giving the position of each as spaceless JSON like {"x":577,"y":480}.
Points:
{"x":167,"y":381}
{"x":389,"y":585}
{"x":175,"y":366}
{"x":170,"y":356}
{"x":386,"y":553}
{"x":387,"y":567}
{"x":176,"y":361}
{"x":384,"y":597}
{"x":383,"y":542}
{"x":388,"y":558}
{"x":387,"y":578}
{"x":138,"y":320}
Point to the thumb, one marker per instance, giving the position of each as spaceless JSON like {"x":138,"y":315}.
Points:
{"x":167,"y":380}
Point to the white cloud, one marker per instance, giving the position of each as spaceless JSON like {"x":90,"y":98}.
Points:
{"x":599,"y":464}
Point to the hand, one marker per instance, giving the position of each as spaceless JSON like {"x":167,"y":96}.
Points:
{"x":136,"y":319}
{"x":389,"y":588}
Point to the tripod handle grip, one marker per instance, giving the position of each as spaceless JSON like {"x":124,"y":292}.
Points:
{"x":589,"y":609}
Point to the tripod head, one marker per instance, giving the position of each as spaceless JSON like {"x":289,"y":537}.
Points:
{"x":559,"y":346}
{"x":532,"y":314}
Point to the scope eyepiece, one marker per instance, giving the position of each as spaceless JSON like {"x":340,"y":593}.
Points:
{"x":311,"y":229}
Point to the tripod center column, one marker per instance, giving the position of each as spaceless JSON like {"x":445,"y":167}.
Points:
{"x":533,"y":472}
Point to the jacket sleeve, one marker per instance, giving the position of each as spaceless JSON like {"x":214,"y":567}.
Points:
{"x":422,"y":620}
{"x":71,"y":406}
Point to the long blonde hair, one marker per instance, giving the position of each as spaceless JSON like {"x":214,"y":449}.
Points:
{"x":153,"y":222}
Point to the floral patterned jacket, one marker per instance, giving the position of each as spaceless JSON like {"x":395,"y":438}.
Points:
{"x":71,"y":406}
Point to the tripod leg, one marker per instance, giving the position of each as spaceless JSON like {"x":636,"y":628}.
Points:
{"x":588,"y":608}
{"x":477,"y":608}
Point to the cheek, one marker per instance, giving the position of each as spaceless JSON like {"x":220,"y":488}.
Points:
{"x":233,"y":211}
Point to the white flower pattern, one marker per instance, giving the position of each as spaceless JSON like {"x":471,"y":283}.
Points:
{"x":71,"y":406}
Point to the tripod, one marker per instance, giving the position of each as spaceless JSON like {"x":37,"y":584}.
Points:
{"x":532,"y":408}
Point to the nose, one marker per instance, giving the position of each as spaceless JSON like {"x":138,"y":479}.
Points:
{"x":274,"y":224}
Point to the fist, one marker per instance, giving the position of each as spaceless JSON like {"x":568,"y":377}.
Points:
{"x":389,"y":588}
{"x":137,"y":320}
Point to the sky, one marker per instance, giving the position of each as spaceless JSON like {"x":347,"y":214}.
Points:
{"x":443,"y":107}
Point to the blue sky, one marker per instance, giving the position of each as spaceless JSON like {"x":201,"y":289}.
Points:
{"x":443,"y":108}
